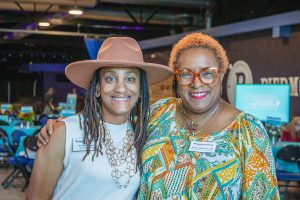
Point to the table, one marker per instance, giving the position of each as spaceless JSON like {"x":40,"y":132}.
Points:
{"x":27,"y":130}
{"x":283,"y":165}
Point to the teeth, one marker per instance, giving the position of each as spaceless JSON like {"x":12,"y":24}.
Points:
{"x":199,"y":94}
{"x":121,"y":98}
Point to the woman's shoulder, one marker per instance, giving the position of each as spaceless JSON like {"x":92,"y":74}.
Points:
{"x":73,"y":118}
{"x":251,"y":120}
{"x":252,"y":128}
{"x":59,"y":130}
{"x":163,"y":106}
{"x":165,"y":101}
{"x":56,"y":145}
{"x":247,"y":122}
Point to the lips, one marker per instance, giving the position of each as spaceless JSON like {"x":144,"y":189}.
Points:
{"x":198,"y":95}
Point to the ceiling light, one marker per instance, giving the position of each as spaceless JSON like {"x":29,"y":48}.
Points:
{"x":44,"y":24}
{"x":75,"y":11}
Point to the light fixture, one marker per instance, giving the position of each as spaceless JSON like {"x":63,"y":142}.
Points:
{"x":44,"y":24}
{"x":75,"y":10}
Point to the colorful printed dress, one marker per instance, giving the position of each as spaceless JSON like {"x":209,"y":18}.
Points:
{"x":241,"y":167}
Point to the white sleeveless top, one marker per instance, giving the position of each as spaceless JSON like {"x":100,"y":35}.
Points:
{"x":89,"y":179}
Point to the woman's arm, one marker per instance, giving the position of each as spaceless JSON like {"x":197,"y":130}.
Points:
{"x":259,"y":177}
{"x":48,"y":165}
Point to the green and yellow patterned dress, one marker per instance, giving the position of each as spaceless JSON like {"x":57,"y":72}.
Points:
{"x":242,"y":166}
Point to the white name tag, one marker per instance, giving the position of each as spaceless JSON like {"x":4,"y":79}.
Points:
{"x":203,"y":147}
{"x":78,"y":145}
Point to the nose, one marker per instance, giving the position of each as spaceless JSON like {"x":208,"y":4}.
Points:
{"x":197,"y":83}
{"x":120,"y":86}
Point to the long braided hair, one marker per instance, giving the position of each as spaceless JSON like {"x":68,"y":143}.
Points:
{"x":93,"y":123}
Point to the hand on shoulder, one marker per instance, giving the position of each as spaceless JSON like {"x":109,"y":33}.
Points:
{"x":57,"y":141}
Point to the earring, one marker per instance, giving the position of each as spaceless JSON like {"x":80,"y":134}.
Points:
{"x":138,"y":101}
{"x":97,"y":94}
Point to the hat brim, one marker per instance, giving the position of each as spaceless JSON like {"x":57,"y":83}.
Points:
{"x":81,"y":72}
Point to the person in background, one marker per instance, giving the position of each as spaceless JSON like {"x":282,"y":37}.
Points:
{"x":74,"y":91}
{"x":291,"y":132}
{"x":199,"y":146}
{"x":49,"y":106}
{"x":96,"y":154}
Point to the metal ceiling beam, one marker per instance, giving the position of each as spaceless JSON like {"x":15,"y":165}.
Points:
{"x":285,"y":19}
{"x":80,"y":3}
{"x":28,"y":7}
{"x":174,"y":3}
{"x":62,"y":33}
{"x":113,"y":15}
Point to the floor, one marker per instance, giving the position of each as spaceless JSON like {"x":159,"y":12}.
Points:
{"x":292,"y":193}
{"x":14,"y":191}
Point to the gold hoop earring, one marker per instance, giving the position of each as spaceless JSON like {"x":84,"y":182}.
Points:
{"x":97,"y":94}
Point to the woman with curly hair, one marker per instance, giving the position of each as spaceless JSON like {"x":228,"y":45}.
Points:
{"x":198,"y":145}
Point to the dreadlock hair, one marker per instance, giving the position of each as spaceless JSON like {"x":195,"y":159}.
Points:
{"x":93,"y":123}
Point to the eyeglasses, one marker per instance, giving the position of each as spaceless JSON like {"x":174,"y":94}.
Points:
{"x":206,"y":75}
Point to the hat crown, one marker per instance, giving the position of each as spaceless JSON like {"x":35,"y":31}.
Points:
{"x":120,"y":49}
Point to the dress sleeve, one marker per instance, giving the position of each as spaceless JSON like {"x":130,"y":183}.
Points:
{"x":156,"y":107}
{"x":259,"y":174}
{"x":159,"y":113}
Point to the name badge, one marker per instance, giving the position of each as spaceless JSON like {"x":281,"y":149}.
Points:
{"x":78,"y":145}
{"x":203,"y":147}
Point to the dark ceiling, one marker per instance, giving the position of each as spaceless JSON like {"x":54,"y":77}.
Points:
{"x":23,"y":42}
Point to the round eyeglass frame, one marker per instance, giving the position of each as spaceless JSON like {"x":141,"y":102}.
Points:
{"x":197,"y":74}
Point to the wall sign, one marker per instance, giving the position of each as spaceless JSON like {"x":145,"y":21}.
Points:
{"x":240,"y":73}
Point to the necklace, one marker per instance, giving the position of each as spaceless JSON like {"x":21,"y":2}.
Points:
{"x":121,"y":156}
{"x":194,"y":125}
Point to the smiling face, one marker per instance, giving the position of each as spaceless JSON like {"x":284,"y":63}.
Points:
{"x":119,"y":90}
{"x":198,"y":97}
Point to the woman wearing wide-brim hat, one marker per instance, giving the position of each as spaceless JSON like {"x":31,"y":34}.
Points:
{"x":97,"y":153}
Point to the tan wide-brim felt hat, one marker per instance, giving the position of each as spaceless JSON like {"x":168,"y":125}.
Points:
{"x":116,"y":52}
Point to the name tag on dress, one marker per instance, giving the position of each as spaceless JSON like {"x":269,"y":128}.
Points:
{"x":78,"y":145}
{"x":203,"y":147}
